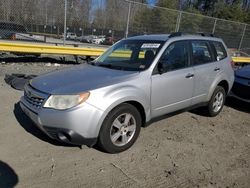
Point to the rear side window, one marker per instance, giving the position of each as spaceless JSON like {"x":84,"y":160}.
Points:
{"x":220,"y":50}
{"x":201,"y":52}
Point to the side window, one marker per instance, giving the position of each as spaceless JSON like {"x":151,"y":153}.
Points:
{"x":201,"y":53}
{"x":175,"y":56}
{"x":220,"y":50}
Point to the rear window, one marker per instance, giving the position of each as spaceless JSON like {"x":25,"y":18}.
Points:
{"x":220,"y":50}
{"x":201,"y":52}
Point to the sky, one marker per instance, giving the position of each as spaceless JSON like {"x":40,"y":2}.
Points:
{"x":151,"y":2}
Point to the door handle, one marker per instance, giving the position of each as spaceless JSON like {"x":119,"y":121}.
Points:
{"x":189,"y":75}
{"x":217,"y":69}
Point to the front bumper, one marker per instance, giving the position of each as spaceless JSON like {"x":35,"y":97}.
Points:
{"x":69,"y":136}
{"x":79,"y":125}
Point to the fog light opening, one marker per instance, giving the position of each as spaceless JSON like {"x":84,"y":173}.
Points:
{"x":64,"y":137}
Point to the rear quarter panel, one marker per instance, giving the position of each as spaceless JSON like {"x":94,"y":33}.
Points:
{"x":226,"y":74}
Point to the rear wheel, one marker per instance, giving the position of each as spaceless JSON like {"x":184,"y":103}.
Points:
{"x":217,"y":101}
{"x":120,"y":129}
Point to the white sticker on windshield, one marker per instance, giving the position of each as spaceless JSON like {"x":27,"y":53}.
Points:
{"x":142,"y":66}
{"x":150,"y":45}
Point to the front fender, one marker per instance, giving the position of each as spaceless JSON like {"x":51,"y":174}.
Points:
{"x":107,"y":99}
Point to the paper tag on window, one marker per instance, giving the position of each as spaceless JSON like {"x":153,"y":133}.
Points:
{"x":150,"y":45}
{"x":142,"y":66}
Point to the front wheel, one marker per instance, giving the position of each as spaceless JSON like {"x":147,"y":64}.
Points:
{"x":217,"y":101}
{"x":120,"y":129}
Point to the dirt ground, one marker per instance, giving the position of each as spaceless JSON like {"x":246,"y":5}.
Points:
{"x":185,"y":150}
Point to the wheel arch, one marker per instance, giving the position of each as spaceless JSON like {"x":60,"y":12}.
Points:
{"x":138,"y":105}
{"x":225,"y":85}
{"x":140,"y":109}
{"x":218,"y":82}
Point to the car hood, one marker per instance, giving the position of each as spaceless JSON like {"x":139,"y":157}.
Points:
{"x":79,"y":79}
{"x":243,"y":72}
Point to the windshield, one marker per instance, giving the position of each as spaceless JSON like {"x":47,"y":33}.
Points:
{"x":131,"y":55}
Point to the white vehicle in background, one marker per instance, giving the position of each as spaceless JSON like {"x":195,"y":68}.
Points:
{"x":98,"y":39}
{"x":71,"y":36}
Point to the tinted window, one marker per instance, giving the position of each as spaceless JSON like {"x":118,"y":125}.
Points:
{"x":220,"y":50}
{"x":201,"y":53}
{"x":176,"y":56}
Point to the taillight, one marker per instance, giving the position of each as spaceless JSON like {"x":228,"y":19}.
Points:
{"x":13,"y":37}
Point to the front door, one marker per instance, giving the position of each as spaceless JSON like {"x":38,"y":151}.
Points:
{"x":173,"y":90}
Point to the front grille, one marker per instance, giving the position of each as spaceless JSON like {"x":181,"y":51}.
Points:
{"x":33,"y":97}
{"x":242,"y":91}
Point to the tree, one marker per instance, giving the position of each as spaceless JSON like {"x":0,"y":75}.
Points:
{"x":172,"y":4}
{"x":141,"y":22}
{"x":230,"y":12}
{"x":205,"y":6}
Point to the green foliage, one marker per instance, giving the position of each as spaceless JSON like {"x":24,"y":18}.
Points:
{"x":205,"y":6}
{"x":231,"y":12}
{"x":163,"y":20}
{"x":173,"y":4}
{"x":191,"y":23}
{"x":142,"y":20}
{"x":248,"y":17}
{"x":156,"y":20}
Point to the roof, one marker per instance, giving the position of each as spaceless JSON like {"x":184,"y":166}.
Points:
{"x":160,"y":37}
{"x":165,"y":37}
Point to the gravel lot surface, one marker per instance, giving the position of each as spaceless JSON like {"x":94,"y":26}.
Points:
{"x":185,"y":150}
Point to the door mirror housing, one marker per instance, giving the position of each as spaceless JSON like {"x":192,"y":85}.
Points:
{"x":162,"y":67}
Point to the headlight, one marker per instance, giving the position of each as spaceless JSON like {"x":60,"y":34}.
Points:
{"x":63,"y":102}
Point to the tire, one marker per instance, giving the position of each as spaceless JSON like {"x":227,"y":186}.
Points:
{"x":216,"y":102}
{"x":123,"y":123}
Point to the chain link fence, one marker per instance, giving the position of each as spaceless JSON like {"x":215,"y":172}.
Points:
{"x":44,"y":21}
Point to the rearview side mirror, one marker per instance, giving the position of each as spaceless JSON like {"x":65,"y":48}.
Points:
{"x":162,"y":67}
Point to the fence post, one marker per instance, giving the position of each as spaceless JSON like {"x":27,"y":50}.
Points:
{"x":242,"y":37}
{"x":65,"y":22}
{"x":178,"y":21}
{"x":215,"y":22}
{"x":58,"y":31}
{"x":128,"y":18}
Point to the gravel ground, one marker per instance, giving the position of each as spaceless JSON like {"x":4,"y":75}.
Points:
{"x":185,"y":150}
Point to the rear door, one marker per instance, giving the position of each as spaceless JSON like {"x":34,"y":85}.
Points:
{"x":206,"y":68}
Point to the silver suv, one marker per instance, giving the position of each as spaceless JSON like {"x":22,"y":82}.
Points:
{"x":137,"y":79}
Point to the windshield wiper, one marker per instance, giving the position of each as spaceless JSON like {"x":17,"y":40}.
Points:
{"x":110,"y":66}
{"x":105,"y":65}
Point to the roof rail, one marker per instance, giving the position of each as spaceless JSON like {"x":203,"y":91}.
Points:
{"x":178,"y":34}
{"x":206,"y":34}
{"x":175,"y":34}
